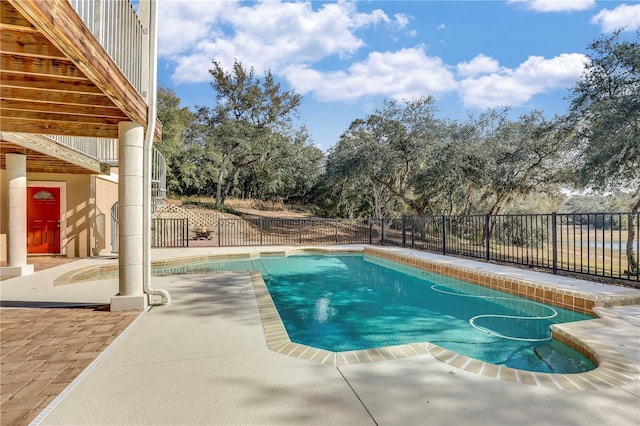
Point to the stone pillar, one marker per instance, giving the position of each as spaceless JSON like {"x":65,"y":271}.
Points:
{"x":130,"y":216}
{"x":16,"y":173}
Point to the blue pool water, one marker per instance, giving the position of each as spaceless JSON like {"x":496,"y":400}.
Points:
{"x":350,"y":302}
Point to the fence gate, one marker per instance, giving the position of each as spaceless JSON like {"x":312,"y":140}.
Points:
{"x":169,"y":232}
{"x":164,"y":232}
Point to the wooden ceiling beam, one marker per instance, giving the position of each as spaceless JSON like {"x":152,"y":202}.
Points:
{"x":54,"y":116}
{"x":62,"y":26}
{"x":27,"y":44}
{"x":40,"y":66}
{"x":10,"y":124}
{"x":11,"y":27}
{"x":10,"y":16}
{"x":36,"y":95}
{"x":107,"y":112}
{"x":16,"y":80}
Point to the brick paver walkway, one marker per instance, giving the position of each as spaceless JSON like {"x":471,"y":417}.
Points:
{"x":43,"y":350}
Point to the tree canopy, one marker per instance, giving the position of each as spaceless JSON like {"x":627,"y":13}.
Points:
{"x":245,"y":145}
{"x":604,"y":116}
{"x":403,"y":159}
{"x":184,"y":173}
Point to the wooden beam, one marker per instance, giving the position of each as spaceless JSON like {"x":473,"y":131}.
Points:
{"x":51,"y":148}
{"x":36,"y":95}
{"x":157,"y":132}
{"x":62,"y":26}
{"x":11,"y":27}
{"x":107,"y":112}
{"x":40,"y":66}
{"x":59,"y":128}
{"x":54,"y":116}
{"x":16,"y":80}
{"x":27,"y":44}
{"x":10,"y":16}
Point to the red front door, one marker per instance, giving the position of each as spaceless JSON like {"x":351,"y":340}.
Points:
{"x":43,"y":220}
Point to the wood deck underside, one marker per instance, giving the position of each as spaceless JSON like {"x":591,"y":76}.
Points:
{"x":56,"y":79}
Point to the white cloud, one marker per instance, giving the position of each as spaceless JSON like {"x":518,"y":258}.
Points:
{"x":402,"y":20}
{"x":555,"y":5}
{"x":181,"y":24}
{"x":291,"y":38}
{"x":265,"y":35}
{"x":622,"y":16}
{"x":192,"y":69}
{"x":405,"y":74}
{"x":481,"y":64}
{"x":517,"y":86}
{"x":441,"y":27}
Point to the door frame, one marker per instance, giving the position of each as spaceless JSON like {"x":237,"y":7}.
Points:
{"x":63,"y":207}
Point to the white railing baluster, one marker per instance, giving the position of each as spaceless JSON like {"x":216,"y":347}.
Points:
{"x":115,"y":24}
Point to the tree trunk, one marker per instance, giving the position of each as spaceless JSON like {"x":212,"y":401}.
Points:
{"x":501,"y":201}
{"x":219,"y":199}
{"x":631,"y":256}
{"x":230,"y":182}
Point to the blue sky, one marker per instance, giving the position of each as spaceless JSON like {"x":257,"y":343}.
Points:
{"x":346,"y":57}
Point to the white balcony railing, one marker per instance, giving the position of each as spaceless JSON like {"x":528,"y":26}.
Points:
{"x":158,"y":176}
{"x":106,"y":151}
{"x":115,"y":24}
{"x":102,"y":149}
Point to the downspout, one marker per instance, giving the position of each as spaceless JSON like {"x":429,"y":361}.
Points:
{"x":148,"y":158}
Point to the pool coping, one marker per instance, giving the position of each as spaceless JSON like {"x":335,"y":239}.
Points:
{"x":574,"y":300}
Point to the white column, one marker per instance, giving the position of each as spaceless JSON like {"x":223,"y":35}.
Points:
{"x":16,"y":172}
{"x":130,"y":216}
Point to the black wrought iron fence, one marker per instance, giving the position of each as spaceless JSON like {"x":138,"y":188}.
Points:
{"x":525,"y":239}
{"x":248,"y":232}
{"x":169,"y":232}
{"x":604,"y":244}
{"x":601,"y":244}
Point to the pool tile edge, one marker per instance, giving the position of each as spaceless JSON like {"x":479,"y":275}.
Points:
{"x":574,"y":300}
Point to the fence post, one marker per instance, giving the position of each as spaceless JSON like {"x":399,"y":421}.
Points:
{"x":487,"y":237}
{"x":413,"y":232}
{"x":219,"y":239}
{"x":444,"y":235}
{"x":336,"y":230}
{"x":186,"y":233}
{"x":370,"y":230}
{"x":554,"y":236}
{"x":260,"y":231}
{"x":300,"y":230}
{"x":404,"y":231}
{"x":154,"y":243}
{"x":382,"y":231}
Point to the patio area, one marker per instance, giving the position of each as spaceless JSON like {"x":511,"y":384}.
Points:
{"x":204,"y":359}
{"x":45,"y":349}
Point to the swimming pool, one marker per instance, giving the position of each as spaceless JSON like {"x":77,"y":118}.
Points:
{"x":351,"y":302}
{"x":347,"y":302}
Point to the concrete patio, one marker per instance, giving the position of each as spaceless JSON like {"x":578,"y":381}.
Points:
{"x":204,"y":360}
